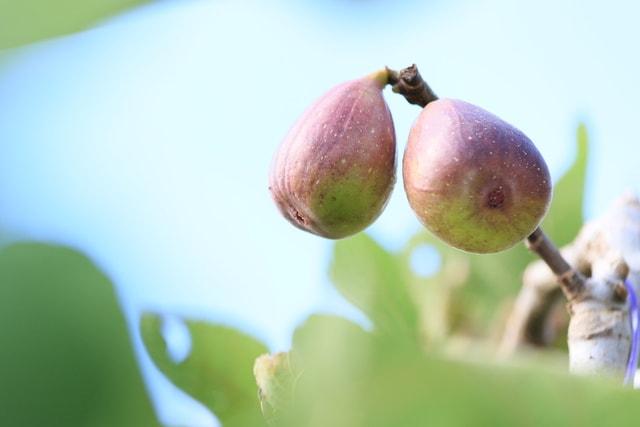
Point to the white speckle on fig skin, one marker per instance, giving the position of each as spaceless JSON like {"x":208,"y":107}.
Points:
{"x":346,"y":133}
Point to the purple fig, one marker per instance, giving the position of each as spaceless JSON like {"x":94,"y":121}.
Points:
{"x":474,"y":180}
{"x":334,"y":172}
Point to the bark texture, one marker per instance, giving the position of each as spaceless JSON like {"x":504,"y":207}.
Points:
{"x":606,"y":251}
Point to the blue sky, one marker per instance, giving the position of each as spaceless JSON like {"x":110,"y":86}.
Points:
{"x":146,"y":142}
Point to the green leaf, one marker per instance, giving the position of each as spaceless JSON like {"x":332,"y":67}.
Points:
{"x":333,"y":342}
{"x":371,"y":278}
{"x":464,"y":296}
{"x":336,"y":358}
{"x":66,"y":357}
{"x":27,"y":21}
{"x":340,"y":351}
{"x":565,"y":216}
{"x":217,"y":372}
{"x":354,"y":379}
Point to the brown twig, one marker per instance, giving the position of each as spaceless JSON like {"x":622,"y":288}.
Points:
{"x":571,"y":281}
{"x":409,"y":83}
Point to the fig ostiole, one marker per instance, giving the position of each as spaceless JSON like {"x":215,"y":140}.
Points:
{"x":334,"y":172}
{"x":472,"y":179}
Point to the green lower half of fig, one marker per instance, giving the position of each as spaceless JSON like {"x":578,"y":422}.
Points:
{"x":463,"y":225}
{"x":338,"y":206}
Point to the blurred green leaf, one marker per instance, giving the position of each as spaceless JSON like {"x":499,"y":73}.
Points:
{"x":565,"y":216}
{"x":332,"y":356}
{"x":351,"y":378}
{"x":217,"y":372}
{"x":334,"y":343}
{"x":335,"y":358}
{"x":27,"y":21}
{"x":66,"y":357}
{"x":370,"y":278}
{"x":466,"y":293}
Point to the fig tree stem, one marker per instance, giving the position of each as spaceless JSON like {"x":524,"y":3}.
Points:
{"x":409,"y":83}
{"x":571,"y":281}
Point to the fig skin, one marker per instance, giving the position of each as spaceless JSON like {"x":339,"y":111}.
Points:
{"x":472,"y":179}
{"x":334,"y":172}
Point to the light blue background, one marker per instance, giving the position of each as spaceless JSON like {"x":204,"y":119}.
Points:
{"x":146,"y":142}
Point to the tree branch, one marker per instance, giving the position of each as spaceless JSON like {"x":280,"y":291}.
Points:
{"x":571,"y":281}
{"x":599,"y":333}
{"x":409,"y":83}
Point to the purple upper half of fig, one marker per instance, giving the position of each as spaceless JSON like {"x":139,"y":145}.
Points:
{"x":334,"y":172}
{"x":474,"y":180}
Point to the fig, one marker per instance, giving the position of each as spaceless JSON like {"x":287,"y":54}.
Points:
{"x":472,"y":179}
{"x":334,"y":172}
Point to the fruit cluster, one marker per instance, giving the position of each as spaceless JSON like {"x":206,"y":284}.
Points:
{"x":472,"y":179}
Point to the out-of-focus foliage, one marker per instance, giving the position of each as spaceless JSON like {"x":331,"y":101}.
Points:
{"x":218,"y":371}
{"x":565,"y":216}
{"x":27,"y":21}
{"x":337,"y":374}
{"x":468,"y":292}
{"x":66,"y":357}
{"x":346,"y":376}
{"x":353,"y":378}
{"x":372,"y":279}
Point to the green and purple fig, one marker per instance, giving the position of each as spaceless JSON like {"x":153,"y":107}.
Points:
{"x":334,"y":172}
{"x":474,"y":180}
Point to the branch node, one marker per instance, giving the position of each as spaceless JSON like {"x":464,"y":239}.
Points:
{"x":620,"y":292}
{"x":409,"y":83}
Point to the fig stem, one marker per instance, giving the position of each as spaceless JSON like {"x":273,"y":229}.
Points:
{"x":571,"y":281}
{"x":409,"y":83}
